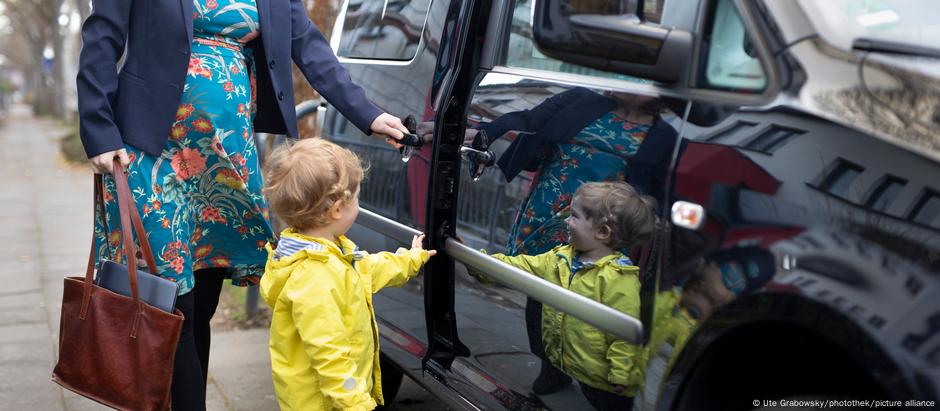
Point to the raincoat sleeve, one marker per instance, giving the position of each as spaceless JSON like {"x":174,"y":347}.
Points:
{"x":622,"y":293}
{"x":535,"y":264}
{"x":391,"y":270}
{"x":317,"y":311}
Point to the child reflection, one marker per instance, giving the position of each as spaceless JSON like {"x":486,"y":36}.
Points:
{"x":605,"y":217}
{"x":676,"y":314}
{"x":701,"y":286}
{"x":572,"y":138}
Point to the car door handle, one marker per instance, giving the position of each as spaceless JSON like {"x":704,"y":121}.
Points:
{"x":599,"y":315}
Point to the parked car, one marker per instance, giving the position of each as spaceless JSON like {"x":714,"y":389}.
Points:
{"x":798,"y":163}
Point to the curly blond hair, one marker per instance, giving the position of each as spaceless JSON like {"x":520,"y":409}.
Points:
{"x":305,"y":178}
{"x":630,"y":215}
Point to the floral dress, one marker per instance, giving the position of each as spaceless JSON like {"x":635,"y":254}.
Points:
{"x":201,"y":199}
{"x":600,"y":152}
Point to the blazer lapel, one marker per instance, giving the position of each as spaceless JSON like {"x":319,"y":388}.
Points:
{"x":188,"y":19}
{"x":264,"y":14}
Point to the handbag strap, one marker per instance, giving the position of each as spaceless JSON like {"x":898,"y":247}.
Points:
{"x":130,"y":217}
{"x":135,"y":219}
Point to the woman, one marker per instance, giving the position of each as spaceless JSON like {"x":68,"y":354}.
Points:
{"x":199,"y":78}
{"x":574,"y":137}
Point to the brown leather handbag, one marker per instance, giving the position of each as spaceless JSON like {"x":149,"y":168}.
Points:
{"x":115,"y":349}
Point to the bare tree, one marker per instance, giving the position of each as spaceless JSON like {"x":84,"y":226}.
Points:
{"x":84,"y":9}
{"x":35,"y":24}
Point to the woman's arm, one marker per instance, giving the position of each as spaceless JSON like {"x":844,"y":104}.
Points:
{"x":103,"y":36}
{"x":533,"y":119}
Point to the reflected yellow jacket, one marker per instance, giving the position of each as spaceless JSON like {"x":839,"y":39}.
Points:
{"x":578,"y":348}
{"x":672,"y":325}
{"x":324,"y":340}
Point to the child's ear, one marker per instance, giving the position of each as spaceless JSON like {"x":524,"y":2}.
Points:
{"x":603,"y":232}
{"x":335,"y":210}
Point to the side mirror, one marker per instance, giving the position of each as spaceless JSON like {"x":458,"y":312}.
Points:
{"x":616,"y":43}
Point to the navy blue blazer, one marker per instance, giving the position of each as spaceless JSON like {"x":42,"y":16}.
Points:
{"x":138,"y":105}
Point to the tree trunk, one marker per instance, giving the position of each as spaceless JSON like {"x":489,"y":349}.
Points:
{"x":58,"y":63}
{"x":42,"y":100}
{"x":84,"y":9}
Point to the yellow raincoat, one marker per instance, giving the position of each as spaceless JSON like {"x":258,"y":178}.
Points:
{"x":324,"y":340}
{"x":578,"y":348}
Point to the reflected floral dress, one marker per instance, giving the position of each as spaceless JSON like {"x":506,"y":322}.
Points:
{"x":201,"y":199}
{"x":600,"y":152}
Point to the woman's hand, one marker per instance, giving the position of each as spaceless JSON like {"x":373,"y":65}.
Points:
{"x":102,"y":163}
{"x":417,"y":244}
{"x":390,"y":127}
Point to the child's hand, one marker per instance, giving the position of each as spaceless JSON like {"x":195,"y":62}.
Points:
{"x":416,"y":243}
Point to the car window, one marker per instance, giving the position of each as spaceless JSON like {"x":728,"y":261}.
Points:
{"x":730,"y":59}
{"x":549,"y":139}
{"x":522,"y":53}
{"x":382,"y":29}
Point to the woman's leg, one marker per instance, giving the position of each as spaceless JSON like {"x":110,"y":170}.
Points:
{"x":188,"y":390}
{"x":208,"y":287}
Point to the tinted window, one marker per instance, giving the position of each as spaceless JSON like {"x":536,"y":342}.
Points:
{"x":380,"y":29}
{"x":885,"y":193}
{"x":841,"y":177}
{"x":730,"y":58}
{"x":927,"y":208}
{"x":771,"y":139}
{"x":731,"y":130}
{"x":550,"y":139}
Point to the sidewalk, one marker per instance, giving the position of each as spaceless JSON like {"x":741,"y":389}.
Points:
{"x":46,"y":215}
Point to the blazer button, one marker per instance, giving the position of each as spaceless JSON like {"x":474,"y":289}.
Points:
{"x":271,"y":64}
{"x":280,"y":95}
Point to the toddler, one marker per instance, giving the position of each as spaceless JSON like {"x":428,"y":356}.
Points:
{"x":324,"y":339}
{"x":605,"y":217}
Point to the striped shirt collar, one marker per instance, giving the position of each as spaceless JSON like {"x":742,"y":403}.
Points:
{"x":289,"y":244}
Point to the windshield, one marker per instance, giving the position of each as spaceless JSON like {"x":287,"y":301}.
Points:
{"x":840,"y":22}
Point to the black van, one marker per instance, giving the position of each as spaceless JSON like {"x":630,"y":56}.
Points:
{"x":792,"y":147}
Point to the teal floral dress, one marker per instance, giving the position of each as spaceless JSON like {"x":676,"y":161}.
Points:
{"x":600,"y":152}
{"x":201,"y":199}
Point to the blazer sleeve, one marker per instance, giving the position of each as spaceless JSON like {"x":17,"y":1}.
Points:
{"x":533,"y":119}
{"x":313,"y":55}
{"x":104,"y":34}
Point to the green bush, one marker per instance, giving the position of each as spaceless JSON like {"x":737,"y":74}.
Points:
{"x":71,"y":147}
